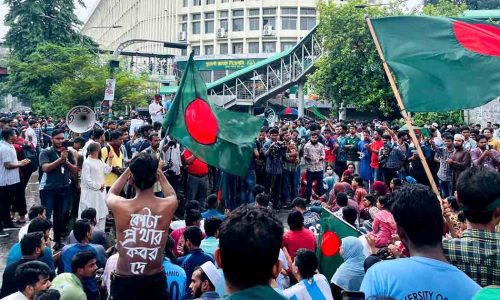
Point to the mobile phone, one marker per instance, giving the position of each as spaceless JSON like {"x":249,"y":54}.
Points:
{"x":346,"y":295}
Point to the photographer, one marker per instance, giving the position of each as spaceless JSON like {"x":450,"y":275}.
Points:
{"x":171,"y":155}
{"x":274,"y":151}
{"x":390,"y":159}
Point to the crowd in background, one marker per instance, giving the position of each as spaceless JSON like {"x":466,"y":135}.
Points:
{"x":225,"y":238}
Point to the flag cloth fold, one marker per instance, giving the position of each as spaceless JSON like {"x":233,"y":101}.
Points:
{"x":333,"y":230}
{"x":219,"y":137}
{"x":441,"y":64}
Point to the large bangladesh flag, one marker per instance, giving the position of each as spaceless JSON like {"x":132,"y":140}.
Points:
{"x":219,"y":137}
{"x":441,"y":64}
{"x":333,"y":230}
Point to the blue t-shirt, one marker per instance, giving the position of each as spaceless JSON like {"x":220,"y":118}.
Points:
{"x":417,"y":278}
{"x":176,"y":279}
{"x":189,"y":262}
{"x":15,"y":255}
{"x":212,"y":213}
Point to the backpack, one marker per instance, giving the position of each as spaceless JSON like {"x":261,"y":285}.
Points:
{"x":28,"y":153}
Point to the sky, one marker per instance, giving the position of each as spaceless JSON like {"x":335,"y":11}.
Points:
{"x":84,"y":12}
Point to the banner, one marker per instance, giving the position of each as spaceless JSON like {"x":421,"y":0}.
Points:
{"x":109,"y":92}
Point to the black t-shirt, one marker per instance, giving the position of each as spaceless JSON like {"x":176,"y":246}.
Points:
{"x":60,"y":176}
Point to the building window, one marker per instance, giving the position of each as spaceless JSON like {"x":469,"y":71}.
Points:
{"x":269,"y":17}
{"x":253,"y":47}
{"x":287,"y":45}
{"x":223,"y":15}
{"x":224,"y":1}
{"x":253,"y":24}
{"x":196,"y":50}
{"x":206,"y":75}
{"x":238,"y":23}
{"x":269,"y":47}
{"x":288,"y":18}
{"x":308,"y":11}
{"x":184,"y":3}
{"x":223,"y":48}
{"x":183,"y":22}
{"x":209,"y":49}
{"x":184,"y":52}
{"x":237,"y":48}
{"x":209,"y":22}
{"x":238,"y":13}
{"x":196,"y":24}
{"x":307,"y":23}
{"x":196,"y":2}
{"x":210,"y":2}
{"x":253,"y":12}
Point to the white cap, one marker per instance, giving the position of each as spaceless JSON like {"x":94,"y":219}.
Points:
{"x":212,"y":273}
{"x":459,"y":137}
{"x":434,"y":124}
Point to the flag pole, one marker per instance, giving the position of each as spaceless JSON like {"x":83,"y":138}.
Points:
{"x":403,"y":110}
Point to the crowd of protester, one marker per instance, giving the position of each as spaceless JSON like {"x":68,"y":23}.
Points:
{"x":126,"y":212}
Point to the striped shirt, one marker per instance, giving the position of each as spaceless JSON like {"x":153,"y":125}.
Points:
{"x":444,"y":173}
{"x":8,"y":154}
{"x":477,"y":254}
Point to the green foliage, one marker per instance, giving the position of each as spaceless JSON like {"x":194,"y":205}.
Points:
{"x":35,"y":22}
{"x":454,"y":117}
{"x":350,"y":70}
{"x":448,"y":8}
{"x":54,"y":78}
{"x":472,"y":4}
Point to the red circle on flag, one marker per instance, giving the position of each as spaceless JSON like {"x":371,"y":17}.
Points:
{"x":330,"y":243}
{"x":201,"y":123}
{"x":479,"y":38}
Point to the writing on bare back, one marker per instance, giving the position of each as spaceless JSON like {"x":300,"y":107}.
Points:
{"x":142,"y":230}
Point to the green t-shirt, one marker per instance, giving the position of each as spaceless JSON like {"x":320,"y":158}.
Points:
{"x":491,"y":292}
{"x":69,"y":286}
{"x":257,"y":292}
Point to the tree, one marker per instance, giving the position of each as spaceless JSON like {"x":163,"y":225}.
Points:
{"x":446,"y":8}
{"x":35,"y":22}
{"x":472,"y":4}
{"x":55,"y":78}
{"x":350,"y":71}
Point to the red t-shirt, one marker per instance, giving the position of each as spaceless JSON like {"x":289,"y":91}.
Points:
{"x":329,"y":150}
{"x":298,"y":239}
{"x":197,"y":167}
{"x":375,"y":146}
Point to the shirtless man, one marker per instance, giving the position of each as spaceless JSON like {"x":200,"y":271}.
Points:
{"x":142,"y":230}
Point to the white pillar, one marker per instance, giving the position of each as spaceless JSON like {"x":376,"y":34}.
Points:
{"x":300,"y":98}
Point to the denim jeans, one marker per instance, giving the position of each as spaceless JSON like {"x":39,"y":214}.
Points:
{"x":197,"y":188}
{"x":446,"y":188}
{"x":54,"y":201}
{"x":273,"y":186}
{"x":311,"y":176}
{"x":247,"y":184}
{"x":290,"y":184}
{"x":229,"y":190}
{"x":377,"y":175}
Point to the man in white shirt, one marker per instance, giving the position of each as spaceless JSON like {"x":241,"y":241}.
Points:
{"x":30,"y":134}
{"x":9,"y":176}
{"x":157,"y":111}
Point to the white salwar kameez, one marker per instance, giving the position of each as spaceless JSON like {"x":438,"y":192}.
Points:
{"x":93,"y":171}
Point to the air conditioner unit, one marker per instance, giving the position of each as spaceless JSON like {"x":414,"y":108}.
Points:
{"x":221,"y":33}
{"x":182,"y":36}
{"x":268,"y":30}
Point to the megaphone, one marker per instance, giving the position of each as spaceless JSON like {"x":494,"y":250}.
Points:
{"x":80,"y":119}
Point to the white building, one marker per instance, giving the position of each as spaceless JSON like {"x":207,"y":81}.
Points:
{"x":211,"y":27}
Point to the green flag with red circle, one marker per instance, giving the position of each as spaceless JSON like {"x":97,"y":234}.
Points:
{"x":333,"y":230}
{"x":219,"y":137}
{"x":441,"y":64}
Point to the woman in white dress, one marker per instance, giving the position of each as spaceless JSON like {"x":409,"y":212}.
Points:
{"x":93,"y":187}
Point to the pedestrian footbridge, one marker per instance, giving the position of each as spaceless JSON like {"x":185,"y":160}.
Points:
{"x":265,"y":79}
